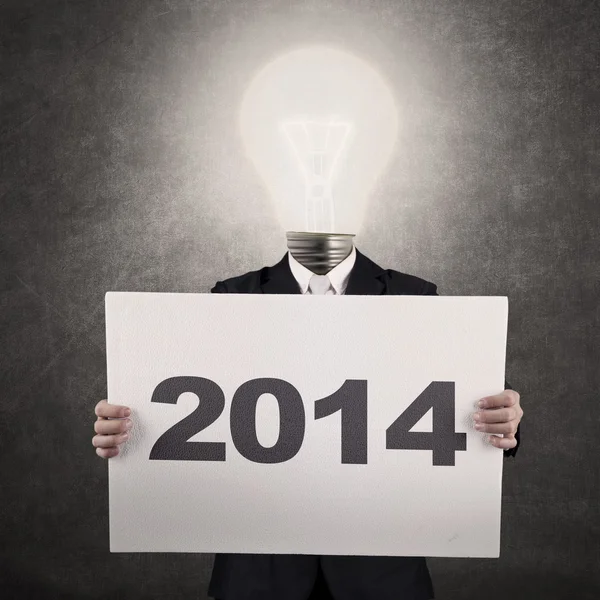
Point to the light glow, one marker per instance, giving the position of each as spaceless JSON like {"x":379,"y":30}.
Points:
{"x":317,"y":147}
{"x":319,"y":125}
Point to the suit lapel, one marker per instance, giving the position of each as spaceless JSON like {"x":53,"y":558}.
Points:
{"x":278,"y":279}
{"x":364,"y":278}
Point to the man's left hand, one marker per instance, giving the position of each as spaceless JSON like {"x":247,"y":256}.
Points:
{"x":501,"y":413}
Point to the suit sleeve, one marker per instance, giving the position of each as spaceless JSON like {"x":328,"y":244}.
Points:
{"x":513,"y":451}
{"x":430,"y":289}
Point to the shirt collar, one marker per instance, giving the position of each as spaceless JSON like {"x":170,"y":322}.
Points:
{"x":338,"y":276}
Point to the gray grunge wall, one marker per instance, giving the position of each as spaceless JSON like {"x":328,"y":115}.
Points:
{"x":122,"y":169}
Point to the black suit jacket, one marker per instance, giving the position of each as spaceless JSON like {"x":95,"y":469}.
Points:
{"x":291,"y":577}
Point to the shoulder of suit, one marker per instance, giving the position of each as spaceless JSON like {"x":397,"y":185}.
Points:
{"x":396,"y":282}
{"x":400,"y":283}
{"x":240,"y":284}
{"x":404,"y":283}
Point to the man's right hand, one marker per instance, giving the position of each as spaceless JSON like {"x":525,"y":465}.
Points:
{"x":111,"y":432}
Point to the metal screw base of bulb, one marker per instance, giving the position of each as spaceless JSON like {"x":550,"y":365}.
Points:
{"x":319,"y":252}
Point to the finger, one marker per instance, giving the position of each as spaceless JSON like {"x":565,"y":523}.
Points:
{"x":109,"y":441}
{"x":496,"y":415}
{"x":105,"y":410}
{"x":506,"y":398}
{"x":506,"y":428}
{"x":506,"y":442}
{"x":112,"y":426}
{"x":107,"y":452}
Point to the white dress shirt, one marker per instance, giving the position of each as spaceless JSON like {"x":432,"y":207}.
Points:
{"x":338,"y":276}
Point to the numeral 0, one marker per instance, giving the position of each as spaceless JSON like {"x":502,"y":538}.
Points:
{"x":350,"y":400}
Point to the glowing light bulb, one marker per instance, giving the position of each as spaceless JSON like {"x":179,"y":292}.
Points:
{"x":317,"y":146}
{"x":319,"y":125}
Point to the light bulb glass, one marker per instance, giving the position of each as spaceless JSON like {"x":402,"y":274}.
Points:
{"x":319,"y":125}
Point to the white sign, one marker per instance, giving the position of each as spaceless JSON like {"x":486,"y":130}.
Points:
{"x":291,"y":424}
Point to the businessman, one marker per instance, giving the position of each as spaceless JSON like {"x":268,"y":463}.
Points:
{"x":307,"y":577}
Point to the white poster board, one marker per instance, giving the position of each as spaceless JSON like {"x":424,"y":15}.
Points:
{"x":218,"y":475}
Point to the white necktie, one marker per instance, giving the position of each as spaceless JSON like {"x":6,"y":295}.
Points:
{"x":319,"y":284}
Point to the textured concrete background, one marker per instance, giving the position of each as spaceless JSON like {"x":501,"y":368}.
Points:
{"x":121,"y":169}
